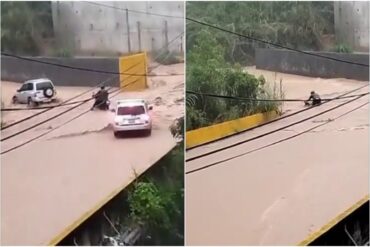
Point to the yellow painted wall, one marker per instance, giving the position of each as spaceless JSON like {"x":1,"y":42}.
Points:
{"x":217,"y":131}
{"x":136,"y":67}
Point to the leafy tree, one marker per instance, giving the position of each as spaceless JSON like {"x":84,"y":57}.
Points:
{"x":24,"y":25}
{"x":157,"y":201}
{"x":293,"y":24}
{"x":208,"y":72}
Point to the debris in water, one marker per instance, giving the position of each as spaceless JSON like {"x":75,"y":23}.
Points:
{"x":158,"y":101}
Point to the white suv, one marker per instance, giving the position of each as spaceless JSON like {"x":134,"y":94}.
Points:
{"x":35,"y":92}
{"x":132,"y":114}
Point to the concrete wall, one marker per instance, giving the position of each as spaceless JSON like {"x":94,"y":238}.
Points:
{"x":90,"y":29}
{"x":351,"y":20}
{"x":10,"y":70}
{"x":307,"y":65}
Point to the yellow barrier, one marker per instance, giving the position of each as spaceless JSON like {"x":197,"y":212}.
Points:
{"x":217,"y":131}
{"x":137,"y":65}
{"x":333,"y":222}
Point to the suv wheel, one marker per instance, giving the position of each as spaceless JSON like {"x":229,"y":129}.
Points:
{"x":31,"y":103}
{"x":49,"y":92}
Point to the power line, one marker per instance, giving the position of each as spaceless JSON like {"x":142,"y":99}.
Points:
{"x":71,"y":103}
{"x":40,"y":108}
{"x":263,"y":100}
{"x":238,"y":34}
{"x":49,"y":119}
{"x":83,"y":113}
{"x":273,"y":131}
{"x":80,"y":68}
{"x":274,"y":44}
{"x":272,"y":121}
{"x":134,"y":11}
{"x":46,"y":110}
{"x":89,"y":90}
{"x":279,"y":141}
{"x":47,"y":132}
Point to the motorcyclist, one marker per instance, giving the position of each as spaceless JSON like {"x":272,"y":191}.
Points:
{"x":316,"y":100}
{"x":101,"y":97}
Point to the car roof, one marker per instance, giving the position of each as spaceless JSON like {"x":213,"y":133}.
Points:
{"x":131,"y":102}
{"x":38,"y":80}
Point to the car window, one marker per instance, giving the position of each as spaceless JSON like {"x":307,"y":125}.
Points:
{"x":29,"y":86}
{"x":26,"y":87}
{"x":23,"y":87}
{"x":43,"y":85}
{"x":130,"y":110}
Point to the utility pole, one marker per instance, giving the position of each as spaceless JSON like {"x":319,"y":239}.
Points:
{"x":128,"y":32}
{"x":166,"y":34}
{"x":139,"y":34}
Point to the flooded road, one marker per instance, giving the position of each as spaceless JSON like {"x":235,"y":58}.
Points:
{"x":280,"y":194}
{"x":49,"y":186}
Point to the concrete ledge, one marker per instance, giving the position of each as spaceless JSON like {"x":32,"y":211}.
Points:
{"x":291,"y":62}
{"x":217,"y":131}
{"x":13,"y":69}
{"x":312,"y":237}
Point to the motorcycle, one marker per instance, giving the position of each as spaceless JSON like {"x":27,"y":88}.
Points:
{"x":103,"y":105}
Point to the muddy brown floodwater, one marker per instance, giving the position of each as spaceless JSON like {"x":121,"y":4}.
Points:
{"x":52,"y":184}
{"x":281,"y":194}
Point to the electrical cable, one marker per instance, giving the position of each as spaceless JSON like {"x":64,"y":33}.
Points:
{"x":273,"y":131}
{"x":272,"y":121}
{"x":263,"y":100}
{"x":39,"y":108}
{"x":238,"y":34}
{"x":46,"y":110}
{"x":279,"y":141}
{"x":102,"y":83}
{"x":134,"y":11}
{"x":80,"y":68}
{"x":47,"y":132}
{"x":81,"y":114}
{"x":274,"y":44}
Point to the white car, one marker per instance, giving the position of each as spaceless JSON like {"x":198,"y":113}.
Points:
{"x":35,"y":91}
{"x":132,"y":114}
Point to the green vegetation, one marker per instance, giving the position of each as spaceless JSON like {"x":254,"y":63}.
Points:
{"x":156,"y":202}
{"x":215,"y":58}
{"x":151,"y":209}
{"x":24,"y":25}
{"x":294,"y":24}
{"x":208,"y":72}
{"x":62,"y":52}
{"x":167,"y":57}
{"x":342,"y":48}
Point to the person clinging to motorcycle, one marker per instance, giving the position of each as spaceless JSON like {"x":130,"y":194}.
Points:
{"x":315,"y":98}
{"x":101,"y":97}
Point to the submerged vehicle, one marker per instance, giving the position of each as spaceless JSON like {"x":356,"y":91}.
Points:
{"x":34,"y":92}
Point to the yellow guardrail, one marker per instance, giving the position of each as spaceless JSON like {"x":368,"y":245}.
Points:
{"x":333,"y":222}
{"x":217,"y":131}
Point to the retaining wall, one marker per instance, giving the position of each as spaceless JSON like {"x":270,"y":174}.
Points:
{"x":297,"y":63}
{"x":13,"y":69}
